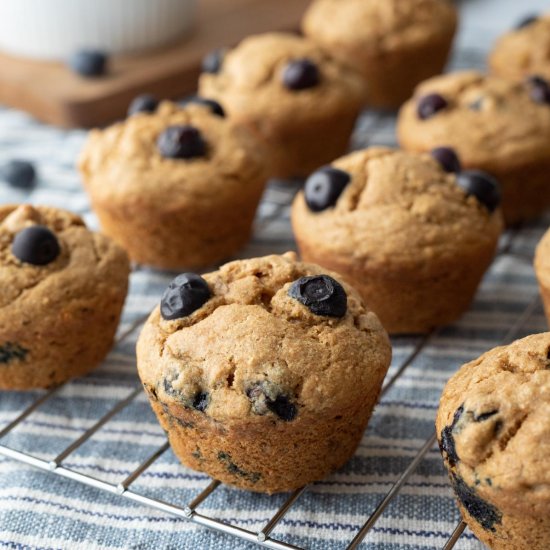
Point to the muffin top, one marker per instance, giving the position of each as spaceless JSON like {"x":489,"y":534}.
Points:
{"x":491,"y":122}
{"x":524,"y":51}
{"x":282,"y":77}
{"x":396,"y":208}
{"x":169,"y":157}
{"x":542,"y":259}
{"x":493,"y":427}
{"x":258,"y":343}
{"x":374,"y":27}
{"x":48,"y":257}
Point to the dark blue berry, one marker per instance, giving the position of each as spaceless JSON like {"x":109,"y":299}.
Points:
{"x":145,"y":103}
{"x":181,"y":142}
{"x":35,"y":245}
{"x":89,"y":63}
{"x":429,"y":105}
{"x":200,"y":401}
{"x":214,"y":106}
{"x":539,"y":89}
{"x":482,"y":186}
{"x":212,"y":62}
{"x":264,"y":397}
{"x":301,"y":74}
{"x":447,"y":442}
{"x":283,"y":408}
{"x":447,"y":158}
{"x":481,"y":511}
{"x":185,"y":294}
{"x":19,"y":173}
{"x":11,"y":351}
{"x":526,"y":21}
{"x":321,"y":294}
{"x":323,"y":188}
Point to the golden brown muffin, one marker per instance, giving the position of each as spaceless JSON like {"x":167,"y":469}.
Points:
{"x":62,"y":289}
{"x":409,"y":236}
{"x":493,"y":427}
{"x":296,"y":100}
{"x":542,"y":271}
{"x":177,"y":187}
{"x":524,"y":51}
{"x":394,"y":44}
{"x":264,"y":373}
{"x":494,"y":125}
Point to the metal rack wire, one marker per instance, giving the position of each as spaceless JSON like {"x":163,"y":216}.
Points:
{"x":279,"y":200}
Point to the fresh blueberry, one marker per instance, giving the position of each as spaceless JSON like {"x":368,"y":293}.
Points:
{"x":200,"y":401}
{"x":19,"y":173}
{"x":145,"y":103}
{"x":89,"y":63}
{"x":185,"y":294}
{"x":321,"y":294}
{"x":181,"y":142}
{"x":482,"y":511}
{"x":215,"y":107}
{"x":447,"y":158}
{"x":429,"y":105}
{"x":35,"y":245}
{"x":301,"y":74}
{"x":482,"y":186}
{"x":526,"y":21}
{"x":539,"y":89}
{"x":212,"y":62}
{"x":324,"y":186}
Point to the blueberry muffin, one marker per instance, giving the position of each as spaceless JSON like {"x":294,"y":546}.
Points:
{"x":542,"y":271}
{"x":524,"y":51}
{"x":412,"y":235}
{"x":394,"y":44}
{"x":176,"y":186}
{"x":63,"y":288}
{"x":493,"y":427}
{"x":298,"y":102}
{"x":495,"y":125}
{"x":264,"y":373}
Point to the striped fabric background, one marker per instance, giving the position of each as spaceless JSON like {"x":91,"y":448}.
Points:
{"x":41,"y":510}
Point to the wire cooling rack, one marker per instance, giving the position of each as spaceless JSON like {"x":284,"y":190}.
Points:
{"x":274,"y":210}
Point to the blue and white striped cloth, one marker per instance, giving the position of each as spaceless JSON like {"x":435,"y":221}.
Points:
{"x":42,"y":510}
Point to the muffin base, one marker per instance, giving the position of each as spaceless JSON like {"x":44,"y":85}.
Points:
{"x":525,"y":191}
{"x":294,"y":152}
{"x":392,"y":76}
{"x":405,"y":300}
{"x":190,"y":235}
{"x":264,"y":455}
{"x":51,"y":348}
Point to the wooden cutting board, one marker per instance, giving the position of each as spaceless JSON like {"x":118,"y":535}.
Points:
{"x":52,"y":93}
